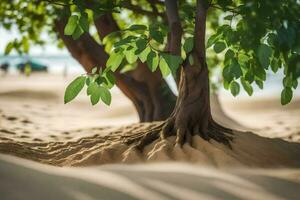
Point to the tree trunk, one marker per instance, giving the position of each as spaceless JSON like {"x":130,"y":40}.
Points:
{"x":149,"y":93}
{"x":193,"y":106}
{"x":192,"y":114}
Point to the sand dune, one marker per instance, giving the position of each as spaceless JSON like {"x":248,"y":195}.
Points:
{"x":163,"y":181}
{"x":248,"y":150}
{"x":36,"y":125}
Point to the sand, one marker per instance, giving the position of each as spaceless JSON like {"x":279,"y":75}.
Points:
{"x":23,"y":179}
{"x":36,"y":125}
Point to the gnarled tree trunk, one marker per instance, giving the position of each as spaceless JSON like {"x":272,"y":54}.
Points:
{"x":192,"y":114}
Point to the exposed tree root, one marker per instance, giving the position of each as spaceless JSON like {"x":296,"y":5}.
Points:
{"x":183,"y":134}
{"x":131,"y":144}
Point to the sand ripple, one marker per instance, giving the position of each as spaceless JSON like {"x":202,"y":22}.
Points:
{"x":103,"y":146}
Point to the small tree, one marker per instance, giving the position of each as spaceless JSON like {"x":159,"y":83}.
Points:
{"x":252,"y":36}
{"x":255,"y":34}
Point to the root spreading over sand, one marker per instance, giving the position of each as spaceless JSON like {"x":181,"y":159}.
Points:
{"x":107,"y":146}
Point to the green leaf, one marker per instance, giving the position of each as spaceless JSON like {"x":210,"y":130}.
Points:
{"x":8,"y":48}
{"x":130,"y":56}
{"x":143,"y":55}
{"x":114,"y":60}
{"x":243,"y":58}
{"x":123,"y":41}
{"x":105,"y":95}
{"x":74,"y":88}
{"x":275,"y":64}
{"x":188,"y":44}
{"x":295,"y":83}
{"x":157,"y":36}
{"x":247,"y":86}
{"x":25,"y":44}
{"x":288,"y":81}
{"x":77,"y":33}
{"x":136,"y":27}
{"x":260,"y":72}
{"x":164,"y":68}
{"x":264,"y":54}
{"x":227,"y":74}
{"x":236,"y":68}
{"x":95,"y":96}
{"x":152,"y":61}
{"x":212,"y":40}
{"x":286,"y":95}
{"x":94,"y":91}
{"x":234,"y":88}
{"x":141,"y":45}
{"x":173,"y":62}
{"x":100,"y":80}
{"x":91,"y":88}
{"x":219,"y":47}
{"x":84,"y":22}
{"x":71,"y":25}
{"x":249,"y":76}
{"x":259,"y":83}
{"x":109,"y":79}
{"x":128,"y":68}
{"x":88,"y":80}
{"x":226,"y":84}
{"x":271,"y":38}
{"x":229,"y":55}
{"x":94,"y":70}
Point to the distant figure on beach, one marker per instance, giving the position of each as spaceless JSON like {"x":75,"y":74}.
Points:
{"x":4,"y":67}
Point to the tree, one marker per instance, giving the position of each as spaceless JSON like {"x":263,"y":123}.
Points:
{"x":147,"y":92}
{"x":256,"y":35}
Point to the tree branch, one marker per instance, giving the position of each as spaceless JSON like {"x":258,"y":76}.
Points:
{"x":85,"y":49}
{"x":128,"y":5}
{"x":105,"y":24}
{"x":57,"y":3}
{"x":90,"y":54}
{"x":200,"y":27}
{"x":174,"y":45}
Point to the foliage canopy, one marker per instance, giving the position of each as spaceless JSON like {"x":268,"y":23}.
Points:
{"x":250,"y":37}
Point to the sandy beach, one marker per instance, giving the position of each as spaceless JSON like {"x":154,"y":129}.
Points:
{"x":36,"y":125}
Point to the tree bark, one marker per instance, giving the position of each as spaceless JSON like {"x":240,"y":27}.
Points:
{"x":193,"y":104}
{"x":192,"y":114}
{"x":174,"y":37}
{"x":149,"y":93}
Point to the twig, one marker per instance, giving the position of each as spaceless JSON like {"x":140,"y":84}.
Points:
{"x":139,"y":10}
{"x":57,"y":3}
